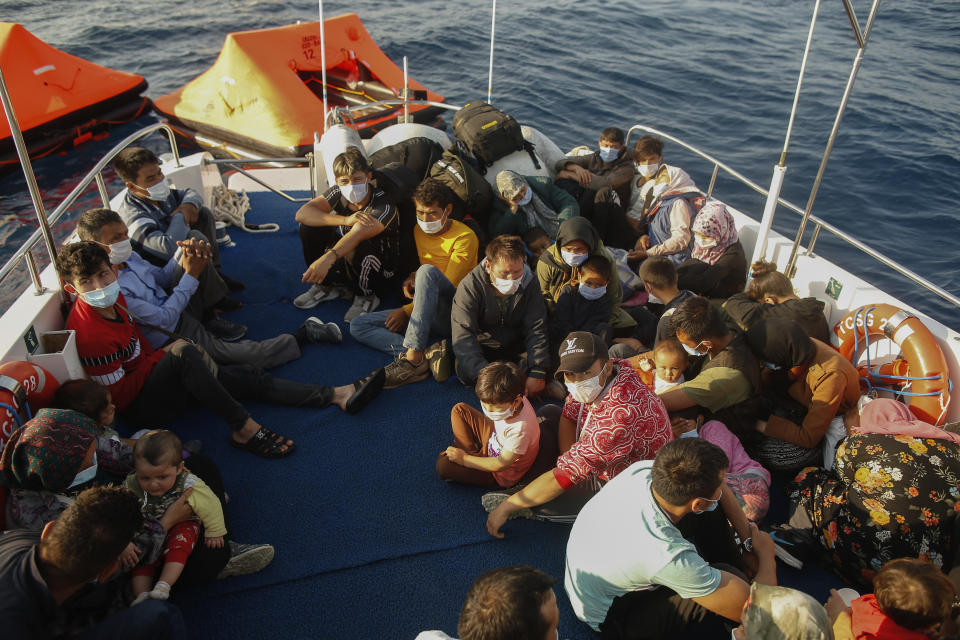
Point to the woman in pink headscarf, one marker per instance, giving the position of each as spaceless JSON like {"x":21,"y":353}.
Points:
{"x":717,"y":267}
{"x":893,"y":494}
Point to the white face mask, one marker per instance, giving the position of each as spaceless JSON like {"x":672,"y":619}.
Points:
{"x":159,"y":191}
{"x":527,"y":197}
{"x":573,"y":259}
{"x":691,"y":350}
{"x":648,"y":170}
{"x":432,"y":227}
{"x":497,"y":416}
{"x":354,"y":193}
{"x":705,"y":242}
{"x":592,"y":293}
{"x":120,"y":251}
{"x":85,"y":475}
{"x":506,"y":287}
{"x":587,"y":390}
{"x":609,"y":154}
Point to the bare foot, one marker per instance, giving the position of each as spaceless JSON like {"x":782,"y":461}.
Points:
{"x":342,"y":394}
{"x":250,"y":429}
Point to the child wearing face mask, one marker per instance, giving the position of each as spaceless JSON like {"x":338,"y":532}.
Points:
{"x":584,"y":304}
{"x":497,"y":447}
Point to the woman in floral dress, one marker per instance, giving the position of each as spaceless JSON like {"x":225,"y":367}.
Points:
{"x":893,"y":493}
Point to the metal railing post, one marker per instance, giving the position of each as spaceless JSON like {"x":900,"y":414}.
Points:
{"x":857,"y":60}
{"x":24,"y":156}
{"x":102,"y":187}
{"x":38,"y":288}
{"x":713,"y":179}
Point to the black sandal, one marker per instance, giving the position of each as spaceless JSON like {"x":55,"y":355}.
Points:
{"x":266,"y":444}
{"x":366,"y":390}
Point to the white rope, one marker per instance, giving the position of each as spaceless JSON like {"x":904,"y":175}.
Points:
{"x":231,"y":207}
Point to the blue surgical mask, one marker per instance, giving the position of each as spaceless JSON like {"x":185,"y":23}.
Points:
{"x":691,"y":350}
{"x":592,"y":293}
{"x":573,"y":259}
{"x":771,"y":366}
{"x":713,"y":504}
{"x":102,"y":298}
{"x":85,"y":475}
{"x":609,"y":154}
{"x":527,"y":197}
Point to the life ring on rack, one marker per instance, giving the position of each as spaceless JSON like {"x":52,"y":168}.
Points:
{"x":926,"y":367}
{"x":25,"y":388}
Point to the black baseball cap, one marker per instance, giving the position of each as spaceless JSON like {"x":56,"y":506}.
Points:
{"x":578,"y":352}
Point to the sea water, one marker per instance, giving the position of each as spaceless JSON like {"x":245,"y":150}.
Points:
{"x":717,"y":74}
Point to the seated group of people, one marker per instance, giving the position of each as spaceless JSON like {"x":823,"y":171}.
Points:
{"x":670,"y":409}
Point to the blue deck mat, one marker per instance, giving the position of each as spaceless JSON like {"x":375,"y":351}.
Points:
{"x":370,"y":543}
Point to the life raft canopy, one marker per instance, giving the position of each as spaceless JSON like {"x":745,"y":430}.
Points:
{"x":57,"y":96}
{"x":264,"y":92}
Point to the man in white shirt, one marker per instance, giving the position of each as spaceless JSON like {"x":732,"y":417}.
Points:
{"x":639,"y":554}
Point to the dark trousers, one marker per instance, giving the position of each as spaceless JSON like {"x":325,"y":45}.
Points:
{"x":150,"y":620}
{"x":370,"y":269}
{"x":183,"y":377}
{"x":661,"y":612}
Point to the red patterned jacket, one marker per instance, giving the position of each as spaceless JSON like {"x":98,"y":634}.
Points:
{"x":629,"y":424}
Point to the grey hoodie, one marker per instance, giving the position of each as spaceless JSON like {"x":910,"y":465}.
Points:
{"x":482,"y":318}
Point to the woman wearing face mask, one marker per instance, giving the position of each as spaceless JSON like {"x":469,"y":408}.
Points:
{"x":524,"y":202}
{"x":559,"y":267}
{"x":717,"y":267}
{"x":663,"y":203}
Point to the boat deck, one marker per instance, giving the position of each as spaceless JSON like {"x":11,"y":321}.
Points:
{"x":370,"y":542}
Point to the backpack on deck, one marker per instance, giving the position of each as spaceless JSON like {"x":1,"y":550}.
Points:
{"x":416,"y":154}
{"x":489,"y":134}
{"x":465,"y":181}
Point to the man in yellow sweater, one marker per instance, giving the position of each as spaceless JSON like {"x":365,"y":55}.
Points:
{"x":448,"y":251}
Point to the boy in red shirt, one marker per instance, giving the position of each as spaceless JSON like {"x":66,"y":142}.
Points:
{"x":154,"y":386}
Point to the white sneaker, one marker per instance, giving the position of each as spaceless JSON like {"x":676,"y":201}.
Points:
{"x":314,"y":296}
{"x":362,"y":305}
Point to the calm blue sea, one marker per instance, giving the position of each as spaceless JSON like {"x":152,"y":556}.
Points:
{"x":717,"y":73}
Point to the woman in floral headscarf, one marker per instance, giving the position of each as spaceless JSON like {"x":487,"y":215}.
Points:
{"x":717,"y":267}
{"x":893,"y":494}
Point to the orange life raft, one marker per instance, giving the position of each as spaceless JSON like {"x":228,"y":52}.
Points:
{"x":264,"y":92}
{"x":925,"y":367}
{"x":59,"y":98}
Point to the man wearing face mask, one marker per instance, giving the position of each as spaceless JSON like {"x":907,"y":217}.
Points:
{"x":498,"y":314}
{"x":600,"y":182}
{"x":350,"y":238}
{"x":159,"y":216}
{"x":652,"y":555}
{"x":609,"y":421}
{"x":171,"y":300}
{"x":728,"y":383}
{"x":663,"y":204}
{"x":448,"y":251}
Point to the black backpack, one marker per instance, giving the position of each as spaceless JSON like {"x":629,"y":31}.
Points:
{"x":465,"y":181}
{"x":416,"y":154}
{"x":489,"y":134}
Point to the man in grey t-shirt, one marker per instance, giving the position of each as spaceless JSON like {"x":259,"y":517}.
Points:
{"x":639,"y":555}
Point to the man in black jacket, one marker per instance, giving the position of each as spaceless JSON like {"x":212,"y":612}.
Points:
{"x":499,"y":314}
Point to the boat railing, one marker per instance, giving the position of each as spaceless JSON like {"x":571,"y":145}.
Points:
{"x":25,"y":252}
{"x":819,"y":224}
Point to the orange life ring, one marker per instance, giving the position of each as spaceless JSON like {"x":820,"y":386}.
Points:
{"x":927,"y":364}
{"x":25,"y":388}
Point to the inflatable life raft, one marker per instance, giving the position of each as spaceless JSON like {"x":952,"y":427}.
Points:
{"x":60,"y":99}
{"x":264,"y":94}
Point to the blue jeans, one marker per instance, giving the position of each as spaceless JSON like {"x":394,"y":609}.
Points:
{"x":432,"y":300}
